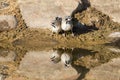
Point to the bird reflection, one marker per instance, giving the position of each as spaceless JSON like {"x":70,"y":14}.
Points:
{"x":115,"y":42}
{"x":63,"y":55}
{"x":66,"y":59}
{"x":56,"y":55}
{"x":69,"y":55}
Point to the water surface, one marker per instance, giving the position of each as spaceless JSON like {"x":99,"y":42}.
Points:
{"x":37,"y":64}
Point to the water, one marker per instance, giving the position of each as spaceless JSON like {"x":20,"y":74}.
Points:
{"x":47,"y":64}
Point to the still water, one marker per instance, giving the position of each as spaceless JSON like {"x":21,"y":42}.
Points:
{"x":100,"y":62}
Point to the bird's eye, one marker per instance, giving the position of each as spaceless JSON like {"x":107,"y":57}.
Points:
{"x":66,"y":19}
{"x":60,"y":19}
{"x":66,"y":65}
{"x":53,"y":23}
{"x":53,"y":57}
{"x":57,"y":18}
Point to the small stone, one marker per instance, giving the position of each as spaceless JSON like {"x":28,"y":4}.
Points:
{"x":7,"y":56}
{"x":2,"y":77}
{"x":7,"y":22}
{"x":3,"y":5}
{"x":114,"y":35}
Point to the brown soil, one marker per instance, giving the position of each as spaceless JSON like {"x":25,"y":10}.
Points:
{"x":90,"y":17}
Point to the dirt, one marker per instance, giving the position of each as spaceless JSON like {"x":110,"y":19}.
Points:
{"x":90,"y":17}
{"x":39,"y":39}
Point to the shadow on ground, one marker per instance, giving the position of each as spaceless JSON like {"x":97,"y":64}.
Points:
{"x":78,"y":53}
{"x":81,"y":28}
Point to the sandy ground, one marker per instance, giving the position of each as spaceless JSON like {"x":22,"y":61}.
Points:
{"x":90,"y":17}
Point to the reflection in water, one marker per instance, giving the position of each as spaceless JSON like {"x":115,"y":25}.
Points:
{"x":68,"y":56}
{"x":37,"y":65}
{"x":77,"y":54}
{"x":114,"y":46}
{"x":117,"y":50}
{"x":6,"y":55}
{"x":51,"y":65}
{"x":107,"y":71}
{"x":83,"y":60}
{"x":115,"y":42}
{"x":62,"y":55}
{"x":55,"y":56}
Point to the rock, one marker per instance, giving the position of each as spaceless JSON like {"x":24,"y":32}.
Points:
{"x":7,"y":22}
{"x":36,"y":65}
{"x":3,"y":5}
{"x":40,"y":13}
{"x":114,"y":39}
{"x":7,"y":56}
{"x":108,"y":71}
{"x":2,"y":77}
{"x":109,"y":7}
{"x":117,"y":50}
{"x":114,"y":35}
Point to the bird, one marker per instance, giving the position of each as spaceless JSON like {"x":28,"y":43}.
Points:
{"x":56,"y":55}
{"x":67,"y":24}
{"x":56,"y":25}
{"x":66,"y":59}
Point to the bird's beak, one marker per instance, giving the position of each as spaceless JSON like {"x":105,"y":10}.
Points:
{"x":52,"y":57}
{"x":53,"y":26}
{"x":67,"y":65}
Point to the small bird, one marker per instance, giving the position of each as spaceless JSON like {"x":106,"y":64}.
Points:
{"x":67,"y":24}
{"x":66,"y":58}
{"x":55,"y":57}
{"x":56,"y":25}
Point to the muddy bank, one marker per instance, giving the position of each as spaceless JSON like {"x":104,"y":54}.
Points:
{"x":90,"y":18}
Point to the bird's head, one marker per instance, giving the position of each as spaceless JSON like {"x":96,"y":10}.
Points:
{"x":68,"y":18}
